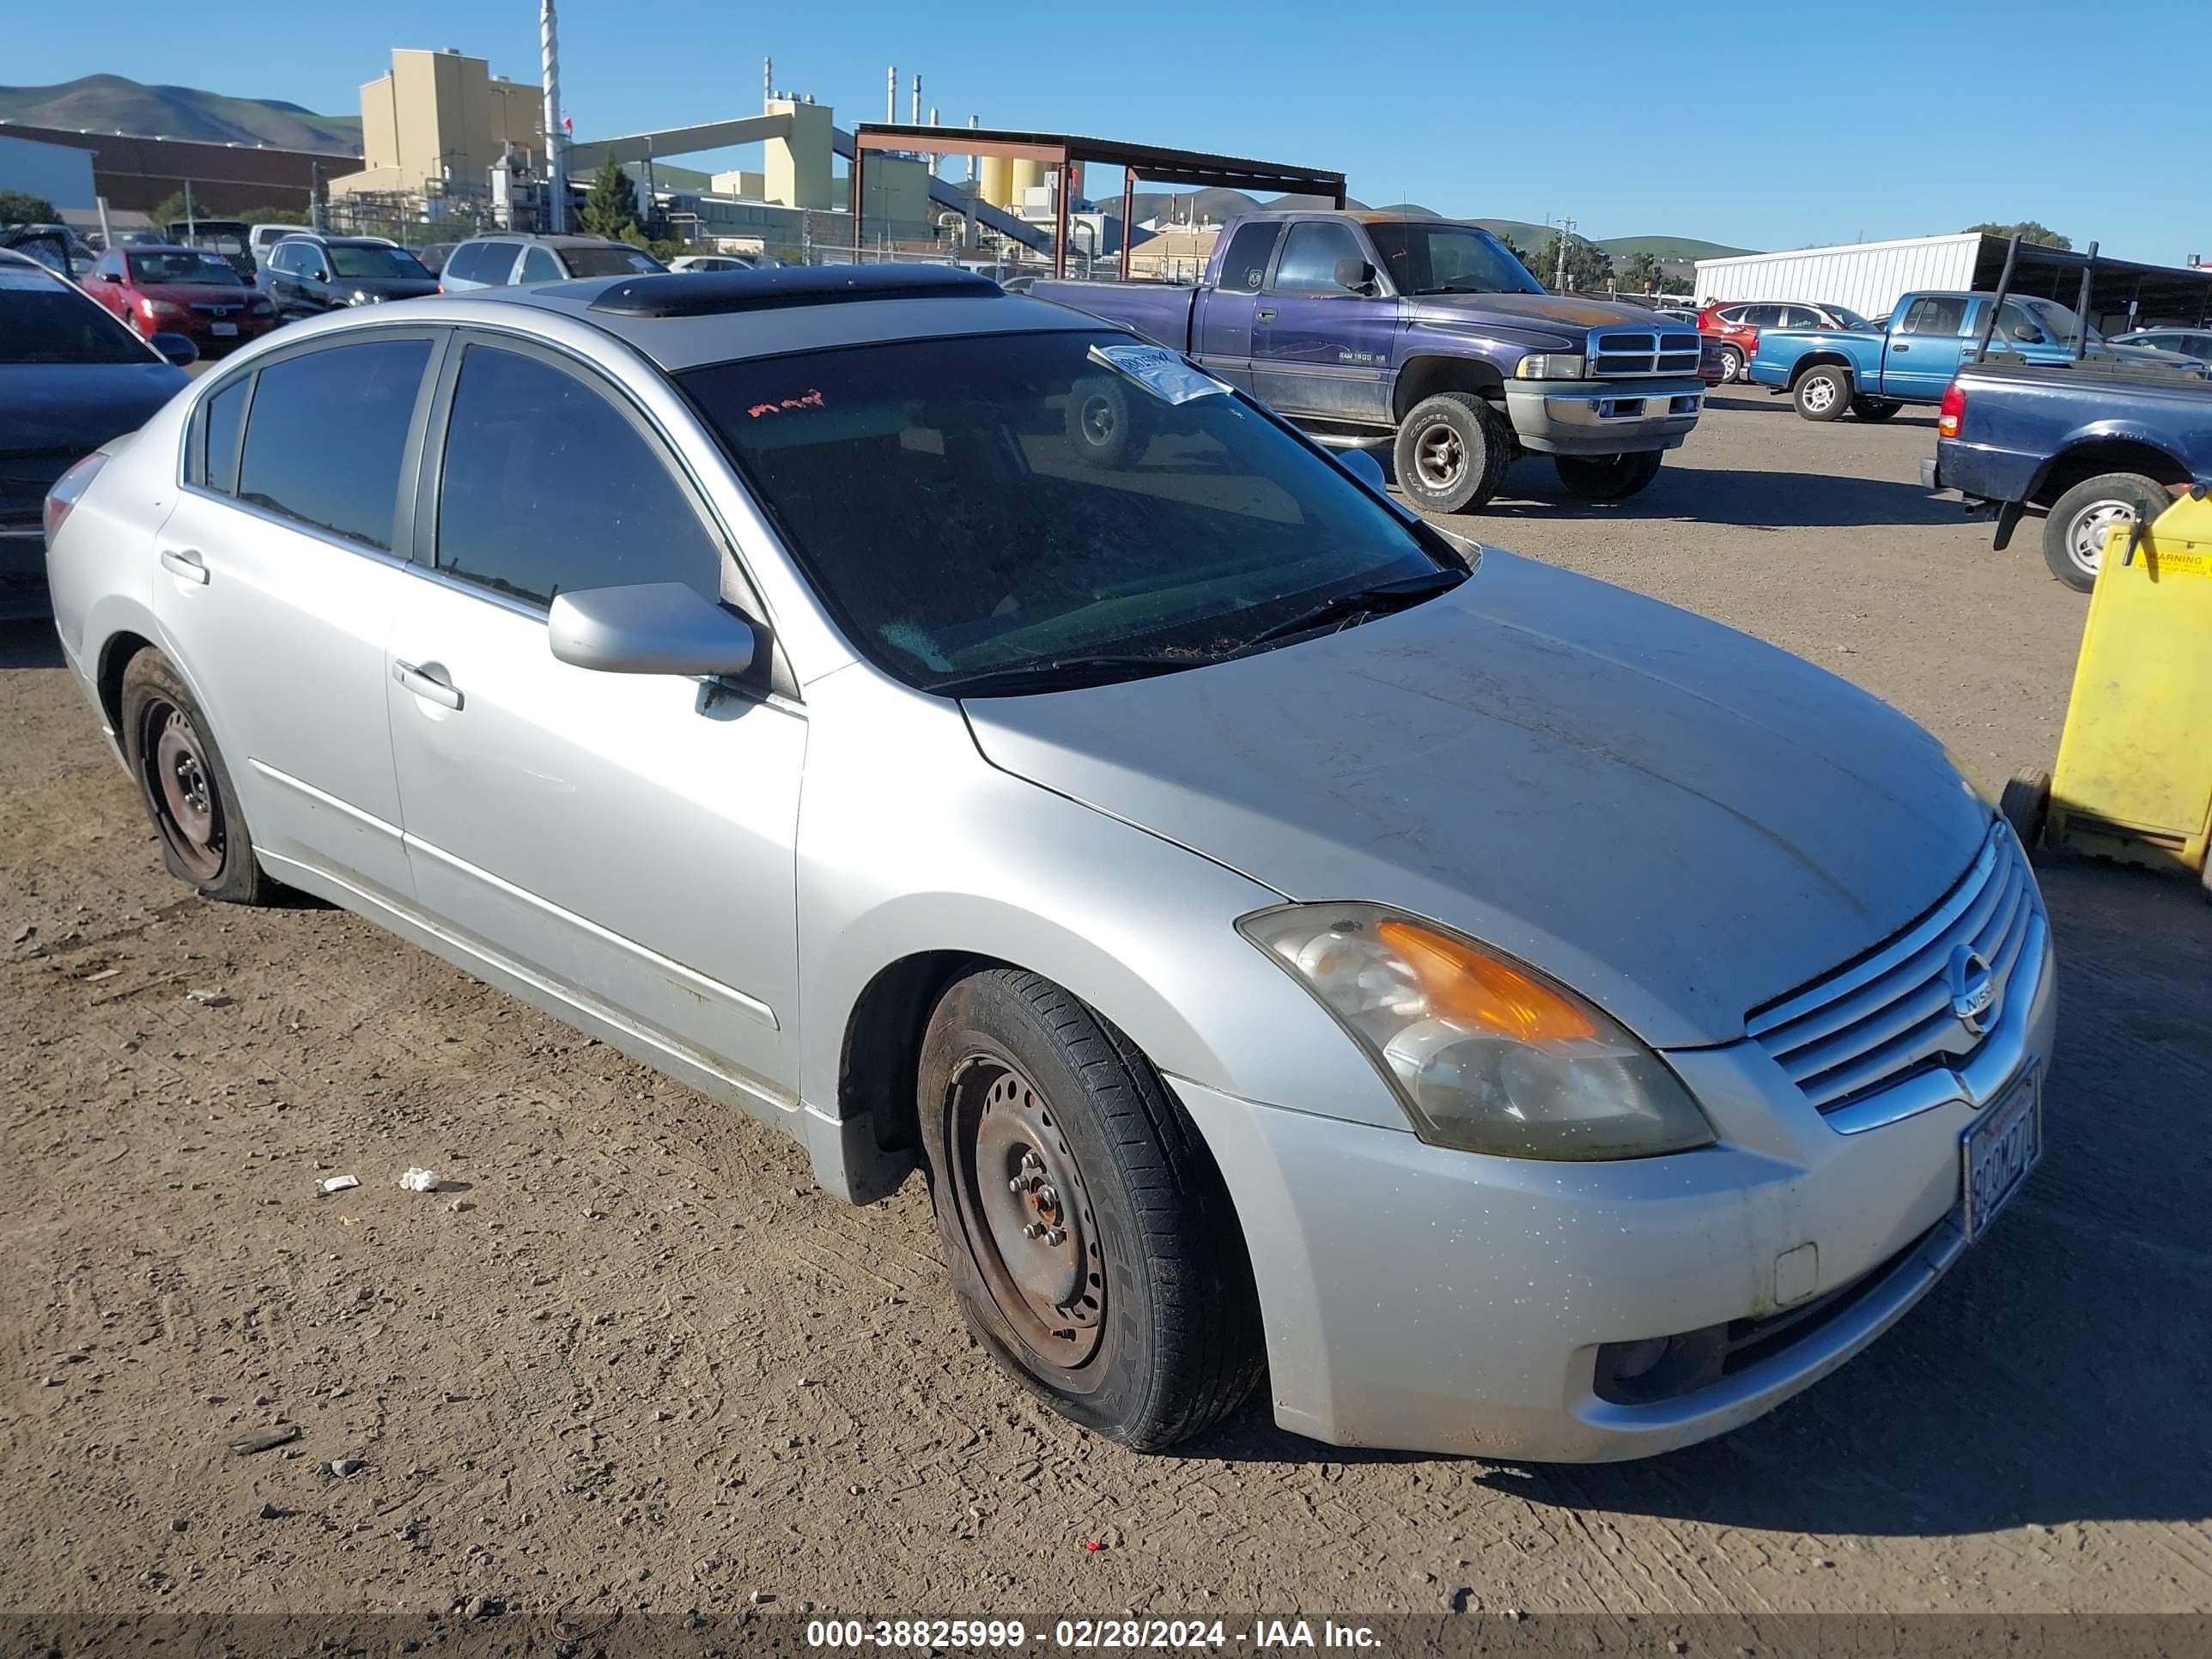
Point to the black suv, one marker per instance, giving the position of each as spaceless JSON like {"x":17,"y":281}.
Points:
{"x":307,"y":274}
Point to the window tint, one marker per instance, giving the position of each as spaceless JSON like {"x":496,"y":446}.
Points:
{"x":1309,"y":257}
{"x":538,"y":266}
{"x":613,"y":259}
{"x":44,"y":320}
{"x":216,"y":455}
{"x":461,"y":263}
{"x":328,"y":433}
{"x":1936,"y":314}
{"x":548,"y":489}
{"x":1244,"y":267}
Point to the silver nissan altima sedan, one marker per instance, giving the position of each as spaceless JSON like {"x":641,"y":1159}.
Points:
{"x":1513,"y":1015}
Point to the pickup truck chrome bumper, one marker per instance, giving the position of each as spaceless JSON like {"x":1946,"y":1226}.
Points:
{"x":1604,"y":417}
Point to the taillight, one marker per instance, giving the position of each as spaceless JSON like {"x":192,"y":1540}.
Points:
{"x":67,"y":489}
{"x":1951,"y":411}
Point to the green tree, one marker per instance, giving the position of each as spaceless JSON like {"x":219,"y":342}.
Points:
{"x":1643,"y":274}
{"x":1512,"y":246}
{"x":20,"y":208}
{"x":610,"y":207}
{"x":2030,"y":230}
{"x":1589,"y":267}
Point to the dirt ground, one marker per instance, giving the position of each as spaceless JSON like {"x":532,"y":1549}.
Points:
{"x":632,"y":1359}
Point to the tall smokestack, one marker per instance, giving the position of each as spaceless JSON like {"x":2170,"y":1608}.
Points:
{"x":917,"y":101}
{"x":556,"y":159}
{"x":768,"y":81}
{"x":974,"y":161}
{"x":890,"y":94}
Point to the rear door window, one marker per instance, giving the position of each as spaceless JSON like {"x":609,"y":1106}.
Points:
{"x":547,"y":488}
{"x":214,"y":462}
{"x":538,"y":266}
{"x":328,"y":434}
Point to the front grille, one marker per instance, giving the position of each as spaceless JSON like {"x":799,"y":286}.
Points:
{"x":1888,"y":1016}
{"x":209,"y":310}
{"x":1638,"y":352}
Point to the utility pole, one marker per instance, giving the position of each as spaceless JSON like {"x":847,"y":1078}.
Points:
{"x":556,"y":160}
{"x":1566,"y":230}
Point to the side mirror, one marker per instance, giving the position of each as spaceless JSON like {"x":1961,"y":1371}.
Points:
{"x":1356,"y":276}
{"x":1362,"y":465}
{"x":2028,"y":334}
{"x":110,"y":275}
{"x":652,"y":628}
{"x":176,"y":347}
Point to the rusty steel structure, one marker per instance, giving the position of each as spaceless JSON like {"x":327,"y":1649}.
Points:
{"x":1067,"y":155}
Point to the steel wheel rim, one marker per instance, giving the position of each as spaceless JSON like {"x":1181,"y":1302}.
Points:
{"x":2084,"y":537}
{"x":1025,"y":1214}
{"x":1439,"y":457}
{"x":1820,"y":393}
{"x":180,"y":780}
{"x":1096,"y":420}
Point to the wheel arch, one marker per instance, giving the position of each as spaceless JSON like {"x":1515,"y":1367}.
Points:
{"x":1813,"y":360}
{"x":1423,"y":376}
{"x":2090,"y":454}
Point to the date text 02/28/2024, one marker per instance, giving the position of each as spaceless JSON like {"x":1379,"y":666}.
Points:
{"x":1124,"y":1634}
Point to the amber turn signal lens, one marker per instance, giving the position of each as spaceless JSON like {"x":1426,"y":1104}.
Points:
{"x":1463,"y":984}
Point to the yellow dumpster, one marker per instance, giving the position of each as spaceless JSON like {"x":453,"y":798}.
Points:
{"x":2134,"y":778}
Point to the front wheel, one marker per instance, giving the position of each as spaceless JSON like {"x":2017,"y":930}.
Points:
{"x":1876,"y":408}
{"x":1105,"y":426}
{"x":1607,"y":477}
{"x":1824,"y":393}
{"x":2074,"y":535}
{"x":1450,"y":452}
{"x":1086,"y":1227}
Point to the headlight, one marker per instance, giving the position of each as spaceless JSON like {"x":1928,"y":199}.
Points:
{"x":1550,"y":366}
{"x":1486,"y":1055}
{"x":363,"y":297}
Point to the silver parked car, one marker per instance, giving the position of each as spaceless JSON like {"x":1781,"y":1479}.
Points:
{"x":1519,"y":1016}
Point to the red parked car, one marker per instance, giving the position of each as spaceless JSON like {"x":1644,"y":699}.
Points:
{"x":181,"y":290}
{"x":1732,"y":326}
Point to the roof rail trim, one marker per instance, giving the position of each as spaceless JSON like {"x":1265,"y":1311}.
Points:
{"x":713,"y":294}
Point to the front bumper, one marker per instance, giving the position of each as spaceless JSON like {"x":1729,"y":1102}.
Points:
{"x":1604,"y":417}
{"x":1441,"y":1301}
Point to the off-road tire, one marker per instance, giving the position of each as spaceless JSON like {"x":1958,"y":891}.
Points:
{"x":212,"y":850}
{"x":1607,"y":478}
{"x":2085,"y":513}
{"x":1823,"y":392}
{"x":1178,"y":1343}
{"x":1105,"y":423}
{"x":1451,"y":424}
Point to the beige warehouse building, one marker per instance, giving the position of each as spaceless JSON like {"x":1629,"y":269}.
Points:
{"x":441,"y":116}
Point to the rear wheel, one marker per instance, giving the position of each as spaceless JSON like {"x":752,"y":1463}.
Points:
{"x":2025,"y":804}
{"x":1450,"y":452}
{"x":1731,"y":365}
{"x":1086,"y":1227}
{"x":1607,"y":478}
{"x":1824,"y":393}
{"x":1874,"y":409}
{"x":2074,"y":535}
{"x":1104,"y":425}
{"x":185,"y":787}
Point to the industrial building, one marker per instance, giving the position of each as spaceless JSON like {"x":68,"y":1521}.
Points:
{"x":1869,"y":277}
{"x":135,"y":173}
{"x":437,"y":124}
{"x":59,"y":173}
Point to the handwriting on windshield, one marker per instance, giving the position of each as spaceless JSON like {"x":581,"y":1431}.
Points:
{"x":812,"y":399}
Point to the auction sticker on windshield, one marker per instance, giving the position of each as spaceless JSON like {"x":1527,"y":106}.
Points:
{"x":1999,"y":1151}
{"x":1159,"y":371}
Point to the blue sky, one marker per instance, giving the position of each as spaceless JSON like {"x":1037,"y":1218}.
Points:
{"x":1761,"y":125}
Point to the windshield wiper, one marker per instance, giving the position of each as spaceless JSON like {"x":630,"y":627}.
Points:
{"x":1064,"y":674}
{"x":1372,"y":600}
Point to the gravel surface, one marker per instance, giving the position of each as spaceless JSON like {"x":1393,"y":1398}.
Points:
{"x":627,"y":1357}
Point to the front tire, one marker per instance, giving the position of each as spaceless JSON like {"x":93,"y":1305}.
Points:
{"x":1876,"y":408}
{"x":185,"y":787}
{"x":1105,"y":428}
{"x":1823,"y":393}
{"x":1086,"y":1227}
{"x":2074,"y":535}
{"x":1451,"y":453}
{"x":1607,"y":478}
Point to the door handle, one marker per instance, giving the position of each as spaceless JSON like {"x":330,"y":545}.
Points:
{"x":1265,"y":315}
{"x":185,"y":561}
{"x":427,"y":683}
{"x":1899,"y":350}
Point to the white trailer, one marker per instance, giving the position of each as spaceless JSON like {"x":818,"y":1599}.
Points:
{"x":1866,"y":276}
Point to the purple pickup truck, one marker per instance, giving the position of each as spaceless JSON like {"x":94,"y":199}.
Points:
{"x":1426,"y":336}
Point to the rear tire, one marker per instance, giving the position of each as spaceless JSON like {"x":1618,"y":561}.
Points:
{"x":2025,"y":804}
{"x":1105,"y":428}
{"x":2074,"y":535}
{"x":1451,"y":453}
{"x":185,"y":787}
{"x":1132,"y":1308}
{"x":1731,"y":365}
{"x":1824,"y":392}
{"x":1876,"y":408}
{"x":1607,"y":478}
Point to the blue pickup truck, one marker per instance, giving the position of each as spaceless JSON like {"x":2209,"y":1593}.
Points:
{"x":2092,"y":446}
{"x":1873,"y":372}
{"x":1426,"y":337}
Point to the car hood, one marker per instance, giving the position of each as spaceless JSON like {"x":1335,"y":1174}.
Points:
{"x":1681,"y":822}
{"x":80,"y":406}
{"x":1563,"y":310}
{"x":200,"y":293}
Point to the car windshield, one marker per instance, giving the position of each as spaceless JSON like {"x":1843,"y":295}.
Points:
{"x":375,"y":262}
{"x":2059,"y":322}
{"x":1437,"y":258}
{"x":43,"y":322}
{"x":608,"y":261}
{"x":157,"y":269}
{"x":1008,"y":502}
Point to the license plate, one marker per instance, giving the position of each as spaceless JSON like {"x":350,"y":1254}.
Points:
{"x":222,"y":328}
{"x":1999,"y":1151}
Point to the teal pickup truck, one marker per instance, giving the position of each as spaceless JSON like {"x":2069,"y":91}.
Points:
{"x":1873,"y":372}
